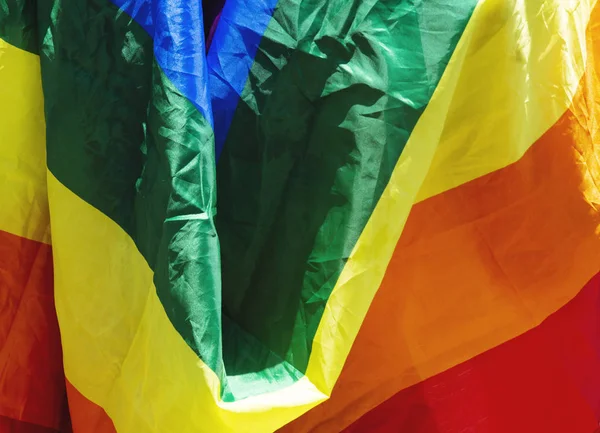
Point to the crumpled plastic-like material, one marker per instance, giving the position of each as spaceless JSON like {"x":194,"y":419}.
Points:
{"x":229,"y":221}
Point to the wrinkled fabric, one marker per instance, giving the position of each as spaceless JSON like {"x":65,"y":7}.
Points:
{"x":234,"y":211}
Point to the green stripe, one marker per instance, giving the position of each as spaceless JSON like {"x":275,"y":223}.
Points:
{"x":336,"y":89}
{"x":122,"y":138}
{"x":18,"y":24}
{"x":296,"y":183}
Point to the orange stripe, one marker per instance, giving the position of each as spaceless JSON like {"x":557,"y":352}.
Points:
{"x":87,"y":417}
{"x":480,"y":264}
{"x":31,"y":378}
{"x":546,"y":380}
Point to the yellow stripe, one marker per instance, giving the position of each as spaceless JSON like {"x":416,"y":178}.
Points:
{"x":120,"y":349}
{"x":122,"y":352}
{"x":23,"y":201}
{"x":524,"y":62}
{"x":513,"y":74}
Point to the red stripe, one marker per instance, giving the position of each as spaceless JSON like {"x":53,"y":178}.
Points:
{"x":32,"y":386}
{"x":9,"y":425}
{"x":546,"y":380}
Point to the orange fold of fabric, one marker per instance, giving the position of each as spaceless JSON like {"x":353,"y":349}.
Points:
{"x":480,"y":264}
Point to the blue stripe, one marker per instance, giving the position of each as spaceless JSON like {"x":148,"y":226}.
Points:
{"x":231,"y":55}
{"x":177,"y":28}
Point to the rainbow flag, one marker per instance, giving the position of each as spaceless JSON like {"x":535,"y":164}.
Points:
{"x":361,"y":216}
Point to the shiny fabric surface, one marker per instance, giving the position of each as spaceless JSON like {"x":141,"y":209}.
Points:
{"x":325,"y":205}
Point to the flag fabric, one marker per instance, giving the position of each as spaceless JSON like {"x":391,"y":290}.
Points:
{"x":299,"y":215}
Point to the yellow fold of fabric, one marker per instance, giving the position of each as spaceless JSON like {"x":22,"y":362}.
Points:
{"x":23,"y":196}
{"x":122,"y":352}
{"x":513,"y":74}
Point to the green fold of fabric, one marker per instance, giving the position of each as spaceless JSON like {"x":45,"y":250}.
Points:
{"x":335,"y":91}
{"x":18,"y":24}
